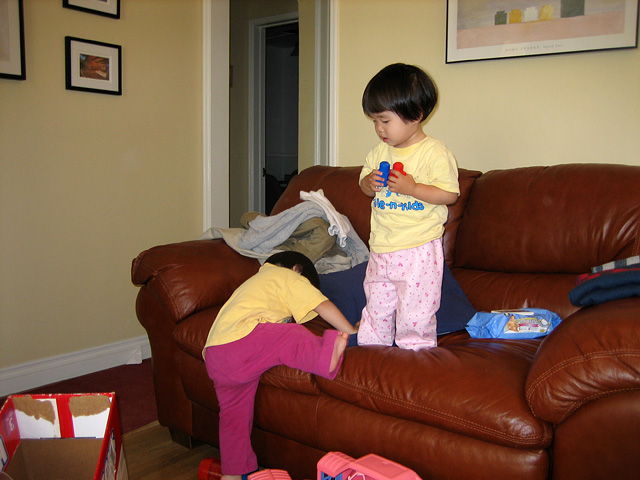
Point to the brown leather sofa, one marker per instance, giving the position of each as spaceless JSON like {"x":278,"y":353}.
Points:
{"x":565,"y":407}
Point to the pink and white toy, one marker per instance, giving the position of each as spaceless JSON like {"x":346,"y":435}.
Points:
{"x":338,"y":466}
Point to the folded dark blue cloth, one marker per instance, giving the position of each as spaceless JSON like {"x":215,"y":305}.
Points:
{"x":600,"y":287}
{"x":345,"y":290}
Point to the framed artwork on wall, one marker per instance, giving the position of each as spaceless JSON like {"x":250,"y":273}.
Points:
{"x":106,"y":8}
{"x":518,"y":28}
{"x":93,"y":66}
{"x":12,"y":63}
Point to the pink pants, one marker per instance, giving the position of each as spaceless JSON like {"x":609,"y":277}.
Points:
{"x":403,"y":295}
{"x":235,"y":369}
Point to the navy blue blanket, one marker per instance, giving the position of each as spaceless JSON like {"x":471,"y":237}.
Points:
{"x":600,"y":287}
{"x":346,"y":291}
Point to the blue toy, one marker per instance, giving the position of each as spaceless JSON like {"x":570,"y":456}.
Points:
{"x":384,"y":172}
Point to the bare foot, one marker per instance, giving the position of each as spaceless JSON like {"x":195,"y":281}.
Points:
{"x":338,"y":349}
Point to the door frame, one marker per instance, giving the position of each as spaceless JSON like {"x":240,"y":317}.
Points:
{"x":215,"y":114}
{"x":215,"y":98}
{"x":257,"y":97}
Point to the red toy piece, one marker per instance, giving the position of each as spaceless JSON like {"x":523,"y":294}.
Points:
{"x":270,"y":474}
{"x":210,"y":469}
{"x":399,"y":167}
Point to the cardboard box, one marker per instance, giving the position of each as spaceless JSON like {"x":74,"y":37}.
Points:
{"x":62,"y":436}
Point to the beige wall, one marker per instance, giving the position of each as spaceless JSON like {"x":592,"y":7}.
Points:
{"x":87,"y":181}
{"x":581,"y":107}
{"x":306,"y":106}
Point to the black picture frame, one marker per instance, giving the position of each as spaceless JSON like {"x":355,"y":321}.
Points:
{"x":106,"y":8}
{"x":12,"y":57}
{"x":93,"y":66}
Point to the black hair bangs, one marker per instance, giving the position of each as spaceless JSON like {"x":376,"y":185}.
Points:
{"x":403,"y":89}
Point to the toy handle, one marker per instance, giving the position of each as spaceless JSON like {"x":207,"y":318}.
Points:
{"x":384,"y":172}
{"x":399,"y":167}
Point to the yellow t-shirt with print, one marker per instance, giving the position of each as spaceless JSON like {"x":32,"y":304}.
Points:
{"x":275,"y":294}
{"x":399,"y":222}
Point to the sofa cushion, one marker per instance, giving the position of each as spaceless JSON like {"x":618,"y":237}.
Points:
{"x":345,"y":290}
{"x":191,"y":335}
{"x":592,"y":354}
{"x":517,"y":290}
{"x":473,"y":387}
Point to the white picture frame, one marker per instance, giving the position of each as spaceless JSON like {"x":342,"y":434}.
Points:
{"x":493,"y":29}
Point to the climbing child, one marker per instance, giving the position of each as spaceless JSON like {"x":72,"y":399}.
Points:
{"x":253,"y":332}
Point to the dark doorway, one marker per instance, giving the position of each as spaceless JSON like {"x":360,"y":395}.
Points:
{"x":281,"y":110}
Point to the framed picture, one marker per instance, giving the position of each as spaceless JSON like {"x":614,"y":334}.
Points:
{"x":482,"y":30}
{"x":93,"y":66}
{"x":12,"y":64}
{"x":106,"y":8}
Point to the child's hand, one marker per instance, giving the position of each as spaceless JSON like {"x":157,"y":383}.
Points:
{"x":399,"y":183}
{"x":372,"y":183}
{"x":376,"y":180}
{"x":332,"y":315}
{"x":352,"y":330}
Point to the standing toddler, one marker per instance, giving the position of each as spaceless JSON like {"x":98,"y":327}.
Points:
{"x":404,"y":274}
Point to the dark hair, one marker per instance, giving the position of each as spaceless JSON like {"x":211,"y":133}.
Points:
{"x":403,"y":89}
{"x":291,"y":259}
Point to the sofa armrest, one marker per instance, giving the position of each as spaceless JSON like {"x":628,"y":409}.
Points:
{"x":190,"y":276}
{"x":592,"y":354}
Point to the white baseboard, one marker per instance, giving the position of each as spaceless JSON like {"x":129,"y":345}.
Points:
{"x":27,"y":376}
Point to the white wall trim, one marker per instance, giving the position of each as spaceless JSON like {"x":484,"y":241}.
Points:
{"x":215,"y":113}
{"x":332,"y":133}
{"x":27,"y":376}
{"x":207,"y":181}
{"x":322,"y":74}
{"x":255,"y":128}
{"x":325,"y":83}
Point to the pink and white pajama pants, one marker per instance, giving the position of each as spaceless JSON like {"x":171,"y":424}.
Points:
{"x":235,"y":369}
{"x":403,"y":291}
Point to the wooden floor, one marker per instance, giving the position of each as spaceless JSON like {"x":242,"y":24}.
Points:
{"x":152,"y":455}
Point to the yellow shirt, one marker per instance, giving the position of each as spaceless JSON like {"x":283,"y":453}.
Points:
{"x":274,"y":294}
{"x":399,"y":222}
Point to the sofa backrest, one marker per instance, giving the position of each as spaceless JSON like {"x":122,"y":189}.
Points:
{"x":340,"y":186}
{"x":526,"y":233}
{"x":516,"y":237}
{"x":558,"y":219}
